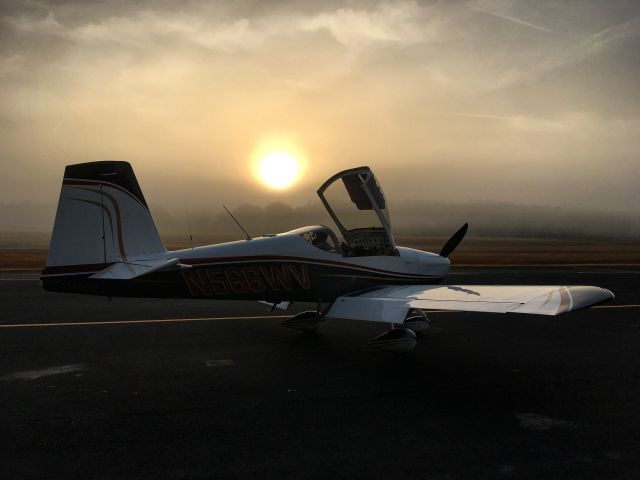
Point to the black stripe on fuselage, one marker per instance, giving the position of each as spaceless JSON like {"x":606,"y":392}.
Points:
{"x":273,"y":280}
{"x":208,"y":261}
{"x":239,"y":260}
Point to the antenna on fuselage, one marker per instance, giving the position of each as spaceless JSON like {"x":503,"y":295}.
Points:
{"x":247,"y":236}
{"x":186,"y":208}
{"x":104,"y":245}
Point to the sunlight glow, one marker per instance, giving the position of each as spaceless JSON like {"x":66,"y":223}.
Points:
{"x":278,"y":169}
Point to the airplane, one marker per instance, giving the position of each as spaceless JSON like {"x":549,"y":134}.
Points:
{"x":105,"y":242}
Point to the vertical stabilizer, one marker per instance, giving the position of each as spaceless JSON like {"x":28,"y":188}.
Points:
{"x":102,"y":217}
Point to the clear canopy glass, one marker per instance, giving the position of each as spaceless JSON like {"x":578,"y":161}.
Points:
{"x":356,"y":203}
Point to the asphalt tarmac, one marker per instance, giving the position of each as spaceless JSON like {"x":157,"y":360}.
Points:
{"x":87,"y":391}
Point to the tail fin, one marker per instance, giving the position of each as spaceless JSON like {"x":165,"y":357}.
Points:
{"x":102,"y":217}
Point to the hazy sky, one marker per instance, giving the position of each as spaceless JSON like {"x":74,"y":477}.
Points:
{"x":533,"y":102}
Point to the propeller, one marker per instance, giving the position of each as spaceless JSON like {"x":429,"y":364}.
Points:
{"x":454,"y":241}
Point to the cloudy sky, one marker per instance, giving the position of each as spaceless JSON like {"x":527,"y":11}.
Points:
{"x":531,"y":102}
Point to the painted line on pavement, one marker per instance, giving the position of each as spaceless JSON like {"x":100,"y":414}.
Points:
{"x":131,"y":322}
{"x":213,"y":319}
{"x":617,"y":306}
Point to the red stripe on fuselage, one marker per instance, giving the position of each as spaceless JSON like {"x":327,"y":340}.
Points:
{"x":203,"y":262}
{"x":276,"y":258}
{"x":69,"y":269}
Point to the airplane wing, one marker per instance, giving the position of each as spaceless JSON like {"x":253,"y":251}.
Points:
{"x":137,"y":268}
{"x":391,"y":304}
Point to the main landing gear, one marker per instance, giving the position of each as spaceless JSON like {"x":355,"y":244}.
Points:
{"x":403,"y":339}
{"x":399,"y":339}
{"x":307,"y":321}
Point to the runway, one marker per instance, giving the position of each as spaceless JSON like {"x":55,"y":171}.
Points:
{"x":206,"y":389}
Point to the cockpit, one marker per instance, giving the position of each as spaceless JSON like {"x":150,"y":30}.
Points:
{"x":355,"y":201}
{"x":322,"y":237}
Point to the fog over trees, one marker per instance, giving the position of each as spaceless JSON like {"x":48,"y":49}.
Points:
{"x":29,"y":224}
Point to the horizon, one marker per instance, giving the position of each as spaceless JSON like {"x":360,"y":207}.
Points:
{"x":29,"y":224}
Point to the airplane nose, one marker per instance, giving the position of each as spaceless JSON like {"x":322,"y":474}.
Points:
{"x":424,"y":263}
{"x":433,"y":264}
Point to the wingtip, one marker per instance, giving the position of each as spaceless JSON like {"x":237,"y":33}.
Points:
{"x":583,"y":296}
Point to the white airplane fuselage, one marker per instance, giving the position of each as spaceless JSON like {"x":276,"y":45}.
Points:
{"x":282,"y":267}
{"x":105,"y":242}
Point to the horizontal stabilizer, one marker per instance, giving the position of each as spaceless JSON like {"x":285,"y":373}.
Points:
{"x":391,"y":304}
{"x":138,"y":268}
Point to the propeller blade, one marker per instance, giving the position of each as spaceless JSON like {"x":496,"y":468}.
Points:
{"x":454,"y":241}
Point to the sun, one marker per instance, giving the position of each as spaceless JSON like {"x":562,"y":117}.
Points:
{"x":278,"y":169}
